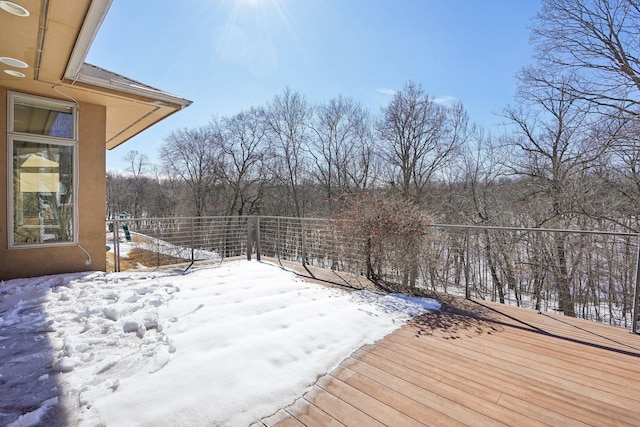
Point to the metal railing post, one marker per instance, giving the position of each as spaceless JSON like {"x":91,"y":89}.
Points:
{"x":636,"y":295}
{"x":304,"y":242}
{"x":158,"y":253}
{"x":258,"y":238}
{"x":193,"y":243}
{"x":467,"y":290}
{"x":249,"y":238}
{"x":278,"y":240}
{"x":116,"y":246}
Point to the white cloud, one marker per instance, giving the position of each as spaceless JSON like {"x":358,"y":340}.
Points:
{"x":445,"y":99}
{"x":386,"y":91}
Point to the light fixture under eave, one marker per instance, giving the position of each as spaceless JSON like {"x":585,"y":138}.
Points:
{"x":13,"y":62}
{"x":15,"y":73}
{"x":13,"y":8}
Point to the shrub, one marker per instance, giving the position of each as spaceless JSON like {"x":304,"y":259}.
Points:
{"x":392,"y":233}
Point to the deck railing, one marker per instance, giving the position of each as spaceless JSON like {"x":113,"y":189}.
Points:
{"x":589,"y":274}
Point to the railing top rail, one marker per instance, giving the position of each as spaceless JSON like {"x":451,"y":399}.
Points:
{"x":165,"y":218}
{"x":294,"y":217}
{"x":487,"y":227}
{"x":547,"y":230}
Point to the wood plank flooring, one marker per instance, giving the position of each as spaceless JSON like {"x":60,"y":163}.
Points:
{"x":481,"y":364}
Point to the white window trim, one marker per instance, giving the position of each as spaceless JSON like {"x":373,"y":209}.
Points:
{"x":10,"y":110}
{"x":44,"y":139}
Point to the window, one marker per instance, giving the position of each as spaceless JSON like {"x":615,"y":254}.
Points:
{"x":41,"y":116}
{"x":42,"y":156}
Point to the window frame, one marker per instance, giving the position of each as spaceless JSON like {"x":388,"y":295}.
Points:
{"x":13,"y":136}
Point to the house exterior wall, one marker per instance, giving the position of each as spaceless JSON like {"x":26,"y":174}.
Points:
{"x":91,"y":188}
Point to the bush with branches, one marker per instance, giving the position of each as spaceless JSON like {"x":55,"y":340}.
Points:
{"x":391,"y":233}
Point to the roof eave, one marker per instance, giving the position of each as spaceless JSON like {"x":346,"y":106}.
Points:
{"x":92,"y":22}
{"x":154,"y":96}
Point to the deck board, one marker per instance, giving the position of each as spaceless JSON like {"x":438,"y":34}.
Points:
{"x":342,"y":410}
{"x":392,"y":393}
{"x":481,"y":363}
{"x":535,"y":387}
{"x":361,"y":399}
{"x":533,"y":369}
{"x":312,"y":416}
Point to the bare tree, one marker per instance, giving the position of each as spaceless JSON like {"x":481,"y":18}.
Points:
{"x":596,"y":42}
{"x":243,"y":145}
{"x":590,"y":49}
{"x":137,"y":166}
{"x":342,"y":149}
{"x":485,"y":202}
{"x":619,"y":176}
{"x":193,"y":155}
{"x":555,"y":149}
{"x":287,"y":119}
{"x":419,"y":137}
{"x":482,"y":199}
{"x":163,"y":195}
{"x":116,"y":193}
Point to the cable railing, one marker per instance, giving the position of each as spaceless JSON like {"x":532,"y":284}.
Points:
{"x":588,"y":274}
{"x":155,"y":242}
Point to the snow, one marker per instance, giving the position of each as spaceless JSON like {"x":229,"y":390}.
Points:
{"x":220,"y":345}
{"x":155,"y":245}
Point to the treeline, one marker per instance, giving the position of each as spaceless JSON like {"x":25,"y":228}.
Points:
{"x":568,"y":157}
{"x":562,"y":165}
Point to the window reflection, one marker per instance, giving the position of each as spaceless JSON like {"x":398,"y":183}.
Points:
{"x":43,"y":185}
{"x":41,"y":117}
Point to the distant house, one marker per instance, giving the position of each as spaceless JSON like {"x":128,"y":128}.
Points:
{"x":60,"y":115}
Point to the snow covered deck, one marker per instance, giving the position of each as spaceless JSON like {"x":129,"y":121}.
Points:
{"x":231,"y":343}
{"x":480,"y":363}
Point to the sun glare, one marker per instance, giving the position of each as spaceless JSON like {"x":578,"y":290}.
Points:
{"x":253,"y":34}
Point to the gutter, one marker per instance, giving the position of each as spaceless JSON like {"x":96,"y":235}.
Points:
{"x":157,"y":97}
{"x":78,"y":71}
{"x":93,"y":20}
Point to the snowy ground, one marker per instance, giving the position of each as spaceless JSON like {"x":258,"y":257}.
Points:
{"x":223,"y":345}
{"x":151,"y":244}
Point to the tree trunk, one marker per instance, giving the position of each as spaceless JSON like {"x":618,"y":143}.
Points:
{"x":492,"y":267}
{"x":565,"y":297}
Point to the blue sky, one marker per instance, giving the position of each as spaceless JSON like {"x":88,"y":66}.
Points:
{"x":227,"y":55}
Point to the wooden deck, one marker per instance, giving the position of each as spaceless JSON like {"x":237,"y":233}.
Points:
{"x":481,"y":364}
{"x":323,"y":276}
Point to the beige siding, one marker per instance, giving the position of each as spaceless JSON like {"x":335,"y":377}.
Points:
{"x":91,"y":185}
